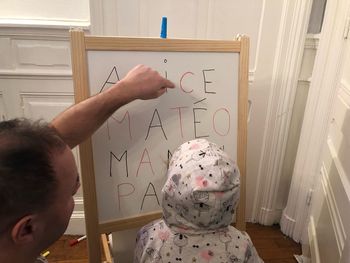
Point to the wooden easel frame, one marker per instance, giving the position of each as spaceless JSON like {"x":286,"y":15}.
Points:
{"x":80,"y":44}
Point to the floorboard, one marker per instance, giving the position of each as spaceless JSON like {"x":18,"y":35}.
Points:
{"x":271,"y":244}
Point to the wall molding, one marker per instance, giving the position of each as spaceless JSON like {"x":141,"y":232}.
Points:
{"x":327,"y":224}
{"x":35,"y":33}
{"x":269,"y":215}
{"x":261,"y":22}
{"x":96,"y":17}
{"x":316,"y":119}
{"x":35,"y":74}
{"x":66,"y":95}
{"x":313,"y":241}
{"x":20,"y":63}
{"x":341,"y":173}
{"x":333,"y":210}
{"x":345,"y":87}
{"x":76,"y":224}
{"x":287,"y":65}
{"x":3,"y":113}
{"x":312,"y":41}
{"x":304,"y":82}
{"x":44,"y":23}
{"x":79,"y":204}
{"x":38,"y":32}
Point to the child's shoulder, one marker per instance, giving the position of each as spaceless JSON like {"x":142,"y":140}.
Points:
{"x":152,"y":224}
{"x":240,"y":235}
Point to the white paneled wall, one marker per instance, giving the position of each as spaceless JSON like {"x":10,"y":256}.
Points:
{"x":25,"y":56}
{"x":36,"y":83}
{"x":37,"y":55}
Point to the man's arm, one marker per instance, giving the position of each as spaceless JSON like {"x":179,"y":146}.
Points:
{"x":81,"y":120}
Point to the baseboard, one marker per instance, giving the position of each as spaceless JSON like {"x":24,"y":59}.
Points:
{"x":269,"y":217}
{"x":315,"y":254}
{"x":287,"y":224}
{"x":76,"y":224}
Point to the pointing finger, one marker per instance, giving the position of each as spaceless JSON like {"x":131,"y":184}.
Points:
{"x":168,"y":84}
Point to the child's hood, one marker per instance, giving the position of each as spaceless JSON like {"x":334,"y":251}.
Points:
{"x":202,"y":188}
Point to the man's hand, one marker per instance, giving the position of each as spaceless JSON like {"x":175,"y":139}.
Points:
{"x":143,"y":83}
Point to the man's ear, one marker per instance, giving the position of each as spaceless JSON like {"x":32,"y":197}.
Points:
{"x":23,"y":231}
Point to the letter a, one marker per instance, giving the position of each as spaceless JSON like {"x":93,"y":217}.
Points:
{"x":155,"y":125}
{"x":150,"y":194}
{"x":143,"y":162}
{"x":113,"y":78}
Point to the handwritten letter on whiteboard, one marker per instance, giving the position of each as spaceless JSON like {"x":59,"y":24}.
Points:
{"x":132,"y":148}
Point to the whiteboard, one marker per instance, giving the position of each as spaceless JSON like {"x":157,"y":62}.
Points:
{"x":124,"y":164}
{"x":131,"y":150}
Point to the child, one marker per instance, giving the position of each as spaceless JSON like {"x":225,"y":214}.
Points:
{"x":199,"y":200}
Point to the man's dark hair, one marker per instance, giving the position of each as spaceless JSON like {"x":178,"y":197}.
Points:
{"x":27,"y":178}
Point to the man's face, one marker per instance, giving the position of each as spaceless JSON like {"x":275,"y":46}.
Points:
{"x":57,"y":215}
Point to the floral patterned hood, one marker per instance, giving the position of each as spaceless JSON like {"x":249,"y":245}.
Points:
{"x":202,"y":188}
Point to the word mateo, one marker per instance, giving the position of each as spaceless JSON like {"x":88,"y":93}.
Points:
{"x":197,"y":114}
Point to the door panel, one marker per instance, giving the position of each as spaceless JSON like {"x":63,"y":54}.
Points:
{"x":330,"y":212}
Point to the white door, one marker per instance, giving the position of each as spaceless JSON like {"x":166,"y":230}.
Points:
{"x":329,"y":227}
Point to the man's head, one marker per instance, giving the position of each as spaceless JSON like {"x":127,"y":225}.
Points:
{"x":38,"y":178}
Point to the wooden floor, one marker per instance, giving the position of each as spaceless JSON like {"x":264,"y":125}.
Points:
{"x":271,"y":244}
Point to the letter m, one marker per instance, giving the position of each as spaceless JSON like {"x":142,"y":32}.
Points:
{"x":112,"y":156}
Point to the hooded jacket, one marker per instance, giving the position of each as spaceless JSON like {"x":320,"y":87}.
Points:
{"x":199,"y":200}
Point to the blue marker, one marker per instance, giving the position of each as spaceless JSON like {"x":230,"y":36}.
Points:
{"x":164,"y":27}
